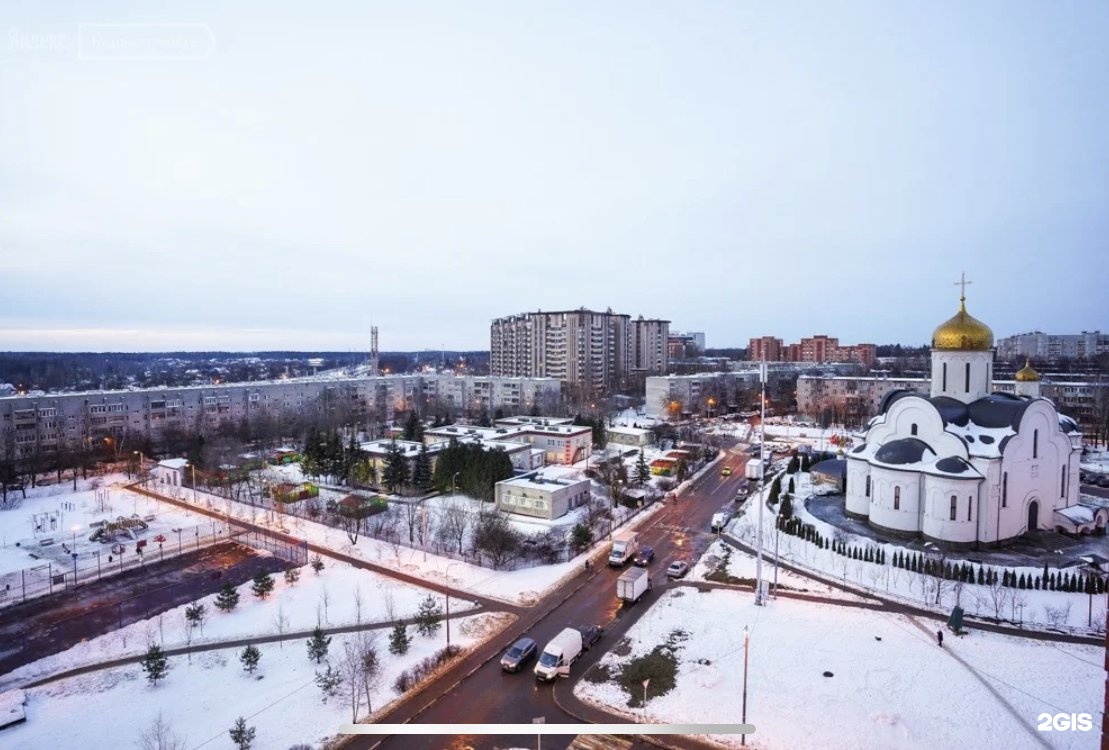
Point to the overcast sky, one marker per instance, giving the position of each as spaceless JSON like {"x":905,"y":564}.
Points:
{"x":301,"y":173}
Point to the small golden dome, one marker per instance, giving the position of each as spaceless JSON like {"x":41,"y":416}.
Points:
{"x":963,"y":333}
{"x":1026,"y":374}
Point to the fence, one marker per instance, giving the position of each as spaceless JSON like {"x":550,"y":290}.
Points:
{"x":58,"y":575}
{"x":280,"y":545}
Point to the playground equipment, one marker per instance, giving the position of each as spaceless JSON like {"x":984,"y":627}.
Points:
{"x":122,"y":526}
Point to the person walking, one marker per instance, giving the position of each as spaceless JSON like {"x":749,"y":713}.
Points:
{"x":939,"y":637}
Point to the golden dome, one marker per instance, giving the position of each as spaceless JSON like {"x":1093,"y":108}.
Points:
{"x":963,"y":333}
{"x":1026,"y":374}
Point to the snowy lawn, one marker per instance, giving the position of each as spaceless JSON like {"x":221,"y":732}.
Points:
{"x":892,"y":687}
{"x":339,"y":595}
{"x":201,"y":700}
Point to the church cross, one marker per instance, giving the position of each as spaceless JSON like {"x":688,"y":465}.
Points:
{"x":962,"y":282}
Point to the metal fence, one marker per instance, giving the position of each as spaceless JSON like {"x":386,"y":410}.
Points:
{"x":61,"y":570}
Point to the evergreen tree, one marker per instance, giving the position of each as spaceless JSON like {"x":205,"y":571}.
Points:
{"x":642,"y":470}
{"x":318,"y":644}
{"x":428,"y":616}
{"x":227,"y":598}
{"x":399,"y":640}
{"x":1045,"y":573}
{"x":250,"y":657}
{"x":155,"y":664}
{"x":395,"y":475}
{"x":329,"y":681}
{"x":195,"y":614}
{"x":242,"y":735}
{"x":317,"y":564}
{"x":581,"y":537}
{"x":981,"y":576}
{"x":262,"y":585}
{"x":1021,"y":582}
{"x":789,"y":488}
{"x":292,"y":575}
{"x":413,"y":428}
{"x":786,"y":509}
{"x":421,"y":472}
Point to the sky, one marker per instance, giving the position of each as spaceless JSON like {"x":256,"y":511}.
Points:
{"x":251,"y":175}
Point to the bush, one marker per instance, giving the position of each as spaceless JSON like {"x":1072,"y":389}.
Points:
{"x":420,"y":671}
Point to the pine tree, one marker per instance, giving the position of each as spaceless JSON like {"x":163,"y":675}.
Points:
{"x":155,"y":664}
{"x":329,"y":680}
{"x":250,"y":657}
{"x":241,"y":734}
{"x":399,"y":640}
{"x":263,"y":584}
{"x":292,"y":575}
{"x":1021,"y":582}
{"x":421,"y":472}
{"x":227,"y":598}
{"x":1045,"y":574}
{"x":789,"y":487}
{"x":981,"y":576}
{"x":317,"y":564}
{"x":428,"y":617}
{"x":195,"y":614}
{"x":318,"y":644}
{"x":642,"y":470}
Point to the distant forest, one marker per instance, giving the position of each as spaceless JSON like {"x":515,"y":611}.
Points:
{"x":69,"y":371}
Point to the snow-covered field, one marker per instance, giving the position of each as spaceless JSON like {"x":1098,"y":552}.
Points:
{"x":201,"y":700}
{"x":892,"y":686}
{"x":339,"y":595}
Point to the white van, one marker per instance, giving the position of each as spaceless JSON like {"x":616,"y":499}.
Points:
{"x":563,"y":650}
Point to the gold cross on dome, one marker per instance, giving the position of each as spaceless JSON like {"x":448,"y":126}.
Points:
{"x":962,"y":282}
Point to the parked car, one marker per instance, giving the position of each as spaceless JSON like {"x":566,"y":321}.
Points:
{"x":160,"y":539}
{"x":719,"y":521}
{"x":645,"y":556}
{"x":590,"y":634}
{"x":519,"y":654}
{"x":677,"y":569}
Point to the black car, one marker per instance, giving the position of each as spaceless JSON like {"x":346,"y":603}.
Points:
{"x":645,"y":556}
{"x":590,"y":634}
{"x":516,"y":657}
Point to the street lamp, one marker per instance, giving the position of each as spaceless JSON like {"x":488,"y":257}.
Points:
{"x":746,"y":644}
{"x":762,"y":485}
{"x":446,"y":584}
{"x":454,"y":483}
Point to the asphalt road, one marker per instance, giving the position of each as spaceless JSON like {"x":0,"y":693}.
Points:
{"x":488,"y":695}
{"x":50,"y":624}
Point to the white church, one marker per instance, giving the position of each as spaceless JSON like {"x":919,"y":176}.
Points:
{"x":966,"y":466}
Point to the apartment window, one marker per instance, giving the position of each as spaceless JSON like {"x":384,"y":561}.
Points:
{"x":967,"y":382}
{"x":1005,"y":490}
{"x":1035,"y":443}
{"x":953,"y":502}
{"x":98,"y":409}
{"x":868,"y":485}
{"x":897,"y":498}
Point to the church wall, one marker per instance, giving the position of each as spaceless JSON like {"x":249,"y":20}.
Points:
{"x":856,"y":503}
{"x":1034,"y":459}
{"x":937,"y":522}
{"x":981,"y":374}
{"x":882,"y":513}
{"x":899,"y":420}
{"x":989,"y":492}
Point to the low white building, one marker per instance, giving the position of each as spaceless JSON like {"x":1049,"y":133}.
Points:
{"x":544,"y":494}
{"x":636,"y":437}
{"x":170,"y":472}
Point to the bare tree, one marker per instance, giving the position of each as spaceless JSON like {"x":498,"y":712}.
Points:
{"x":412,"y":518}
{"x":281,"y":623}
{"x":390,"y":605}
{"x":160,"y":736}
{"x":352,"y":524}
{"x":358,"y":604}
{"x":998,"y":596}
{"x":350,"y":668}
{"x":369,"y":662}
{"x":325,"y":601}
{"x":453,"y":523}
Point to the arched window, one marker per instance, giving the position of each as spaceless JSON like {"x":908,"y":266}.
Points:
{"x":1063,"y":482}
{"x":953,"y":501}
{"x":944,"y":376}
{"x":897,"y":498}
{"x":970,"y":503}
{"x":968,"y":378}
{"x":868,"y":485}
{"x":1035,"y":443}
{"x":1005,"y":490}
{"x":913,"y":430}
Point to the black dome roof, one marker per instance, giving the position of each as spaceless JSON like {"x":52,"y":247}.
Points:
{"x":998,"y":410}
{"x":952,"y":465}
{"x":903,"y":451}
{"x":951,"y":410}
{"x":894,"y":395}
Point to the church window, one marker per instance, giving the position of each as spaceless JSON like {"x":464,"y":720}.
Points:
{"x":913,"y":430}
{"x":968,"y":378}
{"x":1035,"y":443}
{"x":953,"y":507}
{"x":944,"y":376}
{"x":1005,"y":490}
{"x":970,"y":502}
{"x":1063,"y":482}
{"x":897,"y":498}
{"x":868,"y":485}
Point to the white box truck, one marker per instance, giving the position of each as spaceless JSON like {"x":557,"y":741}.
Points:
{"x":624,"y":546}
{"x":563,"y":650}
{"x":752,"y":471}
{"x":633,"y":584}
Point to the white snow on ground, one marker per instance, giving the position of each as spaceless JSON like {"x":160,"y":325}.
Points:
{"x":201,"y":700}
{"x":893,"y":687}
{"x":300,"y":604}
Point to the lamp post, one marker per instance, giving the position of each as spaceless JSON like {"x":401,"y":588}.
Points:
{"x":446,"y":581}
{"x":746,"y":644}
{"x":762,"y":484}
{"x":454,"y":484}
{"x":646,"y":682}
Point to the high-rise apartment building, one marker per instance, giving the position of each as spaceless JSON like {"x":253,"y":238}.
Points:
{"x":595,"y":351}
{"x":1051,"y":346}
{"x":815,"y":349}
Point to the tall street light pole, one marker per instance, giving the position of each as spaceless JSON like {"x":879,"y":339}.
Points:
{"x":762,"y":484}
{"x":746,"y":643}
